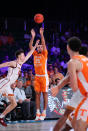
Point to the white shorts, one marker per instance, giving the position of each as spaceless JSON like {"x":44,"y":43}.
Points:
{"x":5,"y":87}
{"x":82,"y":111}
{"x":75,"y":100}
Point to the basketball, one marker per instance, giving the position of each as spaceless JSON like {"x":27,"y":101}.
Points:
{"x":38,"y":18}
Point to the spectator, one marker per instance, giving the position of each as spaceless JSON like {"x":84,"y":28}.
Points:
{"x":21,"y":99}
{"x":26,"y":80}
{"x":50,"y":71}
{"x":57,"y":74}
{"x":30,"y":93}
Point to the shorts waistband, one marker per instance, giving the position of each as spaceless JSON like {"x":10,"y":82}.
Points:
{"x":41,"y":75}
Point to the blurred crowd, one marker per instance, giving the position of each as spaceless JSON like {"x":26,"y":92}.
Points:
{"x":24,"y":93}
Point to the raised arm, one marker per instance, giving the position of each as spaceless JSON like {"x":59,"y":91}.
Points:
{"x":8,"y":64}
{"x":42,"y":38}
{"x":31,"y":51}
{"x":32,"y":39}
{"x":62,"y":83}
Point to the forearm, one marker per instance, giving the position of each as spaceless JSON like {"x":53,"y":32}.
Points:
{"x":31,"y":43}
{"x":4,"y":64}
{"x":63,"y":82}
{"x":29,"y":54}
{"x":42,"y":40}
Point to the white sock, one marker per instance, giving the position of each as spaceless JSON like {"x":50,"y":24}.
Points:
{"x":44,"y":111}
{"x":1,"y":116}
{"x":38,"y":111}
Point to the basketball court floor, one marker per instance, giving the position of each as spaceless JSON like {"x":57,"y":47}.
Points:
{"x":46,"y":125}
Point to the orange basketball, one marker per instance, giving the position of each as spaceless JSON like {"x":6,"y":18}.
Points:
{"x":38,"y":18}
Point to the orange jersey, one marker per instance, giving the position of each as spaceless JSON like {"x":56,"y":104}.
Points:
{"x":82,"y":76}
{"x":40,"y":62}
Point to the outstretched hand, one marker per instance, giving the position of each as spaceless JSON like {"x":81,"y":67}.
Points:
{"x":33,"y":33}
{"x":54,"y":91}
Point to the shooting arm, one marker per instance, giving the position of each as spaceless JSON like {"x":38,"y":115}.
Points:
{"x":31,"y":52}
{"x":42,"y":38}
{"x":32,"y":39}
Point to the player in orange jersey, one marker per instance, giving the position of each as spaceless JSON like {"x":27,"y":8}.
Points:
{"x":77,"y":71}
{"x":41,"y":75}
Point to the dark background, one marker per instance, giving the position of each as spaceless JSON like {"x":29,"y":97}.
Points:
{"x":60,"y":10}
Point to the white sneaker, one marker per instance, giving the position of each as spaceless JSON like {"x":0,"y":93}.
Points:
{"x":43,"y":116}
{"x":37,"y":117}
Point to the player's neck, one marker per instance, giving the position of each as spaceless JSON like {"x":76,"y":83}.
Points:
{"x":72,"y":54}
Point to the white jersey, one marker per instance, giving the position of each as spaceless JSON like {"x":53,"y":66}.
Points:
{"x":13,"y":73}
{"x":12,"y":76}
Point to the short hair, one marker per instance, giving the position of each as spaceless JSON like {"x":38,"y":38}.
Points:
{"x":83,"y":51}
{"x":74,"y":43}
{"x":18,"y":52}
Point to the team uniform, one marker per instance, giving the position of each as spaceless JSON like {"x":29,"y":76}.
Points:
{"x":81,"y":101}
{"x":82,"y":78}
{"x":12,"y":76}
{"x":41,"y":76}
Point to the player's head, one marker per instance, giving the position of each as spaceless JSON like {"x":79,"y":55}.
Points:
{"x":73,"y":45}
{"x":20,"y":55}
{"x":39,"y":48}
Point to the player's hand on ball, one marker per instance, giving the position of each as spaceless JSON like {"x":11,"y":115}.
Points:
{"x":33,"y":33}
{"x":41,"y":31}
{"x":54,"y":91}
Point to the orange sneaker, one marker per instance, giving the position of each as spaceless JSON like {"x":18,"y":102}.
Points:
{"x":37,"y":117}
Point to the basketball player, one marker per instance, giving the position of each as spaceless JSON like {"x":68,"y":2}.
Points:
{"x":13,"y":73}
{"x":76,"y":66}
{"x":41,"y":76}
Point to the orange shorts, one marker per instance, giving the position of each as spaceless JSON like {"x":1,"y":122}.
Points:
{"x":41,"y":83}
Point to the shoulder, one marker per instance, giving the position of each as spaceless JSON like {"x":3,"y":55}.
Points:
{"x":13,"y":63}
{"x":45,"y":52}
{"x":74,"y":64}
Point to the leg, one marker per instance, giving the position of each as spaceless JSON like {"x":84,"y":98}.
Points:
{"x":38,"y":94}
{"x":8,"y":109}
{"x":45,"y":99}
{"x":62,"y":120}
{"x":27,"y":109}
{"x":11,"y":106}
{"x":33,"y":109}
{"x":38,"y":105}
{"x":67,"y":128}
{"x":80,"y":125}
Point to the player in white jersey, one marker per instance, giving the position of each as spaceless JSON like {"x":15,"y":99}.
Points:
{"x":13,"y":73}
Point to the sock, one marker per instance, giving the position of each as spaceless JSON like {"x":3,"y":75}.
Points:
{"x":44,"y":111}
{"x":38,"y":111}
{"x":1,"y":116}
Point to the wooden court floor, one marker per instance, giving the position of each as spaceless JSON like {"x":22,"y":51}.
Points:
{"x":46,"y":125}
